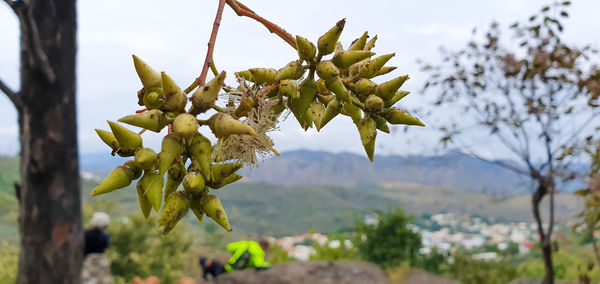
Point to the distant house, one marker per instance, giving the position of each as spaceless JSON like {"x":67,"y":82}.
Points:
{"x":525,"y":247}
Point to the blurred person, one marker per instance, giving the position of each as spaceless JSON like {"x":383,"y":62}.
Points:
{"x":212,"y":267}
{"x":96,"y":269}
{"x":247,"y":254}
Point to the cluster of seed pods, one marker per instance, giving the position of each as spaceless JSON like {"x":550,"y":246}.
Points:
{"x":188,"y":158}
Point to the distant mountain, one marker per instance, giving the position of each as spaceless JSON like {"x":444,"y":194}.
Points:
{"x":282,"y":210}
{"x":303,"y":167}
{"x":455,"y":169}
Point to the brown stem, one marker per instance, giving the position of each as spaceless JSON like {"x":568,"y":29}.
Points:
{"x":268,"y":89}
{"x":241,"y":10}
{"x":211,"y":44}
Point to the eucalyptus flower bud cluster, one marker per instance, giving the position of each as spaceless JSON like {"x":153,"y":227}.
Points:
{"x":189,"y":167}
{"x":343,"y":85}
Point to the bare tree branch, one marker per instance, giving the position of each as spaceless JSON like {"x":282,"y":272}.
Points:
{"x":12,"y":4}
{"x":501,"y":164}
{"x":33,"y":38}
{"x":12,"y":95}
{"x":241,"y":10}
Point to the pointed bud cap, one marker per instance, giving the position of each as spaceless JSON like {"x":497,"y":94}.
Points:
{"x":145,"y":205}
{"x":118,"y":178}
{"x":398,"y":116}
{"x":326,"y":43}
{"x":370,"y":69}
{"x":306,"y":49}
{"x":222,"y":171}
{"x":398,"y":96}
{"x":200,"y":149}
{"x":345,"y":59}
{"x":153,"y":120}
{"x":388,"y":89}
{"x":334,"y":107}
{"x":370,"y":44}
{"x":127,"y":139}
{"x":338,"y":88}
{"x":223,"y":125}
{"x":317,"y":110}
{"x":367,"y":128}
{"x":292,"y":70}
{"x":228,"y":180}
{"x":385,"y":69}
{"x":150,"y":78}
{"x":171,"y":148}
{"x":381,"y":123}
{"x":175,"y":99}
{"x":176,"y":207}
{"x":205,"y":96}
{"x":359,"y":43}
{"x":108,"y":138}
{"x":212,"y":208}
{"x":153,"y":183}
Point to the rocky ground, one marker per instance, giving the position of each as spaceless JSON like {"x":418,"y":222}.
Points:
{"x":317,"y":272}
{"x":327,"y":272}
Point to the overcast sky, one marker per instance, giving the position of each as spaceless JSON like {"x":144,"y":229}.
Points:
{"x":171,"y":36}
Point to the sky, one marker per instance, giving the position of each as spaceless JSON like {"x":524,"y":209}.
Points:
{"x":171,"y":36}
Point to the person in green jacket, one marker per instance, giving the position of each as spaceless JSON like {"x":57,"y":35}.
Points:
{"x":247,"y":254}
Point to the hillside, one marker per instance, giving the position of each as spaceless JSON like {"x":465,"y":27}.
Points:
{"x":304,"y":167}
{"x":256,"y":207}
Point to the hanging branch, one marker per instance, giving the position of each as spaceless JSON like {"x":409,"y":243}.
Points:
{"x":241,"y":10}
{"x":12,"y":95}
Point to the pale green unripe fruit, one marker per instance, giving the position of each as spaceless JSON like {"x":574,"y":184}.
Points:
{"x":185,"y":125}
{"x":145,"y":158}
{"x":373,"y":104}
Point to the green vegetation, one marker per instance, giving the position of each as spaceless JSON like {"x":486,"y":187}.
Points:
{"x":9,"y":260}
{"x":471,"y":271}
{"x":391,"y":241}
{"x":344,"y":251}
{"x":138,"y":249}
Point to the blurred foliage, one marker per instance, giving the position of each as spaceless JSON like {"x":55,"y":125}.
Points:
{"x":9,"y":261}
{"x":391,"y":241}
{"x":433,"y":262}
{"x":276,"y":254}
{"x":138,"y":249}
{"x":472,"y":271}
{"x":567,"y":266}
{"x":345,"y":251}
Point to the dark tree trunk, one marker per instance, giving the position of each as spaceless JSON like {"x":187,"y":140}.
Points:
{"x":49,"y":198}
{"x":545,"y":238}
